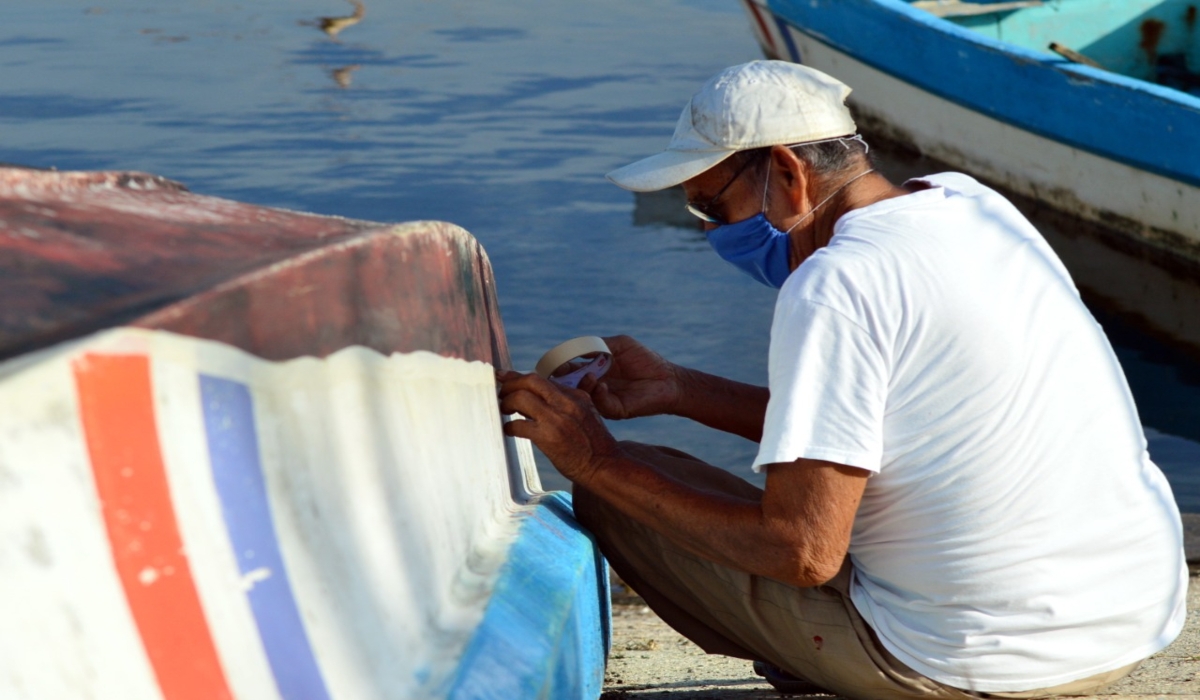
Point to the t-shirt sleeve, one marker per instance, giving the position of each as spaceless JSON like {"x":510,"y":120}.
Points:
{"x":828,"y":384}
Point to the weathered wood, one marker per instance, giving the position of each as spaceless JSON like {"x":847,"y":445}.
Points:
{"x":421,"y":286}
{"x":1073,"y":55}
{"x":84,"y":251}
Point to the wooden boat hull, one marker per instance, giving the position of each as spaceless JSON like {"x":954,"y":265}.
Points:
{"x":291,"y":483}
{"x":1112,"y":150}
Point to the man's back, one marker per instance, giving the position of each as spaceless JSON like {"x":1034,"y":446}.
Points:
{"x":1014,"y":534}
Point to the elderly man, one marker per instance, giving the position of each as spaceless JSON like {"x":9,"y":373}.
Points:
{"x":958,"y":499}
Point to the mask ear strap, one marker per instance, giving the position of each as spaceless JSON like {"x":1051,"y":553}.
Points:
{"x":841,"y":187}
{"x":766,"y":183}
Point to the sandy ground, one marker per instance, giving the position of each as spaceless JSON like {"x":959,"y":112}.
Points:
{"x":651,"y":661}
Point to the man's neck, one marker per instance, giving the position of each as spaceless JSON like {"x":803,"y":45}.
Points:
{"x":870,"y":189}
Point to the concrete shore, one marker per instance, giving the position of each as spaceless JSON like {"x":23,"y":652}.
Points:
{"x":650,"y":661}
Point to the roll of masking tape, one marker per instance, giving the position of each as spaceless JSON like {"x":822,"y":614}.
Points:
{"x":575,"y":349}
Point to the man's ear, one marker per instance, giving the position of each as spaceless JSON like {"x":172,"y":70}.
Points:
{"x":793,"y":173}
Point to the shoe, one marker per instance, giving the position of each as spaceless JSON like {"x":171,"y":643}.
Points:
{"x":785,"y":682}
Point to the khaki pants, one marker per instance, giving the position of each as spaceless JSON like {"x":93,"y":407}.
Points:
{"x":815,"y":633}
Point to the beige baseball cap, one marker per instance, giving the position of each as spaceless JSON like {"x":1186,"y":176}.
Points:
{"x":756,"y":104}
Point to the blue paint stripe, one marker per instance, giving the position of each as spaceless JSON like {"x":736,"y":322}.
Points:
{"x":1133,"y":122}
{"x":547,"y":627}
{"x":786,"y":32}
{"x":237,"y":471}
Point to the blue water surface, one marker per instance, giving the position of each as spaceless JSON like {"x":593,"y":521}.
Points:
{"x":501,"y":117}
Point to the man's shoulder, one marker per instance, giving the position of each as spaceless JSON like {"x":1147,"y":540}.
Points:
{"x":833,"y":268}
{"x":926,"y":194}
{"x":865,"y":251}
{"x":960,"y":183}
{"x":849,"y":280}
{"x":879,"y":252}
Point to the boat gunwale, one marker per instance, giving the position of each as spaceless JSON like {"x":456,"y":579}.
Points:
{"x":1121,"y":89}
{"x":1045,"y":57}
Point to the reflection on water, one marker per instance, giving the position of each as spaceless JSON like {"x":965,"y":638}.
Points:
{"x":344,"y":76}
{"x":1179,"y":459}
{"x":501,"y":117}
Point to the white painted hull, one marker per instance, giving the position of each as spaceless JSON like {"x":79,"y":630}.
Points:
{"x":180,"y":519}
{"x":1145,"y":206}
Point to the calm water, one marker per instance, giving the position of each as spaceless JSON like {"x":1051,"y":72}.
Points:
{"x":499,"y":116}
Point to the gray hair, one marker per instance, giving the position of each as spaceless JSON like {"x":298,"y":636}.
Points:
{"x":833,"y":156}
{"x":826,"y":157}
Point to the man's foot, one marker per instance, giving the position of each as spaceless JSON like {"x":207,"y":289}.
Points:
{"x":785,"y":682}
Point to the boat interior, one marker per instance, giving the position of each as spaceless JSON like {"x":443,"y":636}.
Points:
{"x":1153,"y":40}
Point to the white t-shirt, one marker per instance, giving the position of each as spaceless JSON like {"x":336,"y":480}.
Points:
{"x":1014,"y":533}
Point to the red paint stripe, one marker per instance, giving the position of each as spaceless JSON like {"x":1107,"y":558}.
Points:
{"x":116,"y":406}
{"x":762,"y":24}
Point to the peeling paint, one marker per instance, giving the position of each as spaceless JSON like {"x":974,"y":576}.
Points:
{"x":148,"y":576}
{"x":251,"y":578}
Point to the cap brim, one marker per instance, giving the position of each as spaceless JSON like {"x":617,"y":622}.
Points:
{"x":666,"y":169}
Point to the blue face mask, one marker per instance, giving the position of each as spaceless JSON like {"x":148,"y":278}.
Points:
{"x":756,"y":247}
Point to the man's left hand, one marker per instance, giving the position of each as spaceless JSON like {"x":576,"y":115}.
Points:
{"x":563,"y":423}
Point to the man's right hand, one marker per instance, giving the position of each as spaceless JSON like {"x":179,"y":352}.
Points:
{"x":640,"y":382}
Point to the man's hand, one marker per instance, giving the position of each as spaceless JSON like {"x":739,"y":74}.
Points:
{"x":562,"y":422}
{"x":640,"y":382}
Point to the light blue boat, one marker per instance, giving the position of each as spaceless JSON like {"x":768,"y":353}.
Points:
{"x":977,"y":85}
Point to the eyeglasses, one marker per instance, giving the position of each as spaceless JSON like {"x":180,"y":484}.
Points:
{"x":700,"y":211}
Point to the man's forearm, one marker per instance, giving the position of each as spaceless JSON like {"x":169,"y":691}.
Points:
{"x":723,"y":404}
{"x":730,"y":531}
